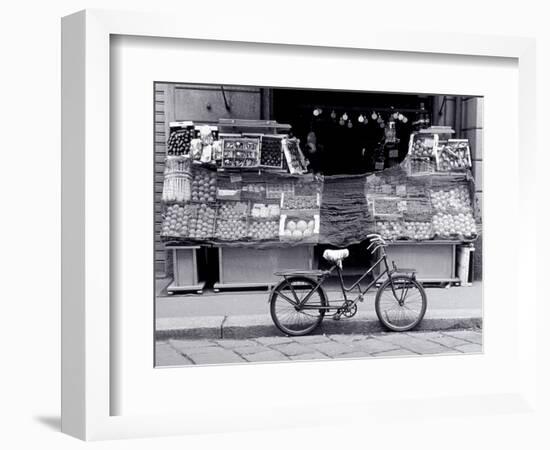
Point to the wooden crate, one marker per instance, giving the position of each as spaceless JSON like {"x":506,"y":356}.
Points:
{"x":249,"y":267}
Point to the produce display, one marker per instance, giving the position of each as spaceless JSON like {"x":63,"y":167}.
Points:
{"x":240,"y":207}
{"x":297,"y":228}
{"x":177,"y":188}
{"x":276,"y":189}
{"x":204,"y":147}
{"x":271,"y":154}
{"x":390,"y":230}
{"x":204,"y":186}
{"x":393,"y":230}
{"x":181,"y":134}
{"x":240,"y":152}
{"x":263,"y":230}
{"x":177,"y":219}
{"x":422,"y":145}
{"x":232,"y":211}
{"x":421,"y":166}
{"x":422,"y":155}
{"x":231,"y":230}
{"x":417,"y":230}
{"x":294,"y":156}
{"x":261,"y":211}
{"x":202,"y":226}
{"x":449,"y":225}
{"x":454,"y":155}
{"x":300,"y":202}
{"x":455,"y":199}
{"x":253,"y":190}
{"x":177,"y":164}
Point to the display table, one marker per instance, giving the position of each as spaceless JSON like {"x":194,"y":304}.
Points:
{"x":184,"y":260}
{"x":434,"y":261}
{"x":245,"y":267}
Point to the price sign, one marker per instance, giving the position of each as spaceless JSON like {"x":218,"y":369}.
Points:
{"x":394,"y":153}
{"x":379,"y":165}
{"x":235,"y":178}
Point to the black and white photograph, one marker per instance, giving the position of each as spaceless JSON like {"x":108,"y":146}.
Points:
{"x":307,"y":224}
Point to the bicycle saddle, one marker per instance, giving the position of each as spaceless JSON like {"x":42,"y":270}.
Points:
{"x":336,"y":256}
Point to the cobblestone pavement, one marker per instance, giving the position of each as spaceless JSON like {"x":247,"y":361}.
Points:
{"x":179,"y":352}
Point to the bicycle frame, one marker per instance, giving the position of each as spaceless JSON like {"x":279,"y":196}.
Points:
{"x":303,"y":303}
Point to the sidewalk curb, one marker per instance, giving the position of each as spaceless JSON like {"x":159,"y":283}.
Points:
{"x":247,"y":327}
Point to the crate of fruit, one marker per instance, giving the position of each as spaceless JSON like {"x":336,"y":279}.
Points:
{"x":262,"y":230}
{"x":255,"y":191}
{"x":177,"y":220}
{"x":179,"y":140}
{"x":390,"y":230}
{"x":275,"y":189}
{"x":232,"y":210}
{"x":422,"y":145}
{"x":233,"y":229}
{"x":453,"y":199}
{"x":300,"y":202}
{"x":294,"y":157}
{"x":458,"y":226}
{"x":393,"y":230}
{"x":453,"y":155}
{"x":271,"y":151}
{"x":240,"y":152}
{"x":262,"y":211}
{"x":300,"y":228}
{"x":418,"y":230}
{"x":202,"y":227}
{"x":203,"y":185}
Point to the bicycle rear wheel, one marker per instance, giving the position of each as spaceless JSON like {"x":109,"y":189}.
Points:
{"x":287,"y":316}
{"x":400,"y":303}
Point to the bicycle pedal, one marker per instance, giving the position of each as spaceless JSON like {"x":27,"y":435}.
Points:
{"x":336,"y":317}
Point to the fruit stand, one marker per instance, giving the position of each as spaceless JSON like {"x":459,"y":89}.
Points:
{"x":244,"y":189}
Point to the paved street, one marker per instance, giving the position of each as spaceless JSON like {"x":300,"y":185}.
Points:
{"x":180,"y":352}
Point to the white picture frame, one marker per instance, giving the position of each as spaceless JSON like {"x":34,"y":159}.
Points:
{"x":89,"y":321}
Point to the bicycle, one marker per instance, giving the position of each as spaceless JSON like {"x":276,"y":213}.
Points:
{"x":400,"y":302}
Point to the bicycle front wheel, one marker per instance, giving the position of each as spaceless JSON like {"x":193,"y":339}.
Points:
{"x":400,"y":303}
{"x":286,"y":312}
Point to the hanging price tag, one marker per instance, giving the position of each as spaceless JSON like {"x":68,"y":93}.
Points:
{"x":379,"y":165}
{"x":394,"y":153}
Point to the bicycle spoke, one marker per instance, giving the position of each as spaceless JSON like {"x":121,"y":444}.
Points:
{"x":288,"y":315}
{"x":401,"y":303}
{"x":292,"y":302}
